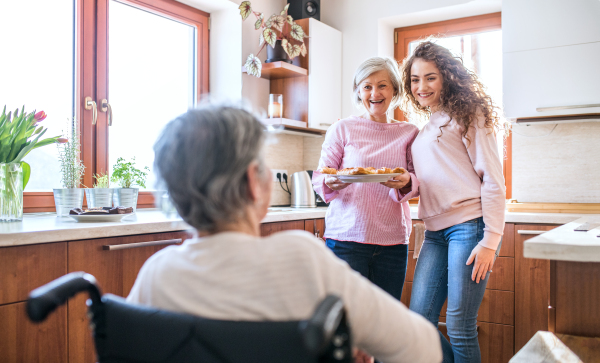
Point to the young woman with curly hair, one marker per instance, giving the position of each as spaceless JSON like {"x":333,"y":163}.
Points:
{"x":462,"y":193}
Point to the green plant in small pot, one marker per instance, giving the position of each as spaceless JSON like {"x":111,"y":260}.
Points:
{"x":127,"y":175}
{"x":101,"y":194}
{"x":20,"y":133}
{"x":285,"y":38}
{"x":72,"y":169}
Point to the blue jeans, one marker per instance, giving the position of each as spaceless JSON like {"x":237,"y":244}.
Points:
{"x":385,"y":266}
{"x":442,"y":273}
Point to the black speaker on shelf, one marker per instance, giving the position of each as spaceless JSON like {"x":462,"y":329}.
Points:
{"x":302,"y":9}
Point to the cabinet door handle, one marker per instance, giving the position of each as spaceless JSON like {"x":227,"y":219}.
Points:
{"x":524,"y":231}
{"x":558,"y":108}
{"x":141,"y":244}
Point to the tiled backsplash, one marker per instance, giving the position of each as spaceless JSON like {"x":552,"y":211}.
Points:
{"x":557,"y":163}
{"x":292,"y":153}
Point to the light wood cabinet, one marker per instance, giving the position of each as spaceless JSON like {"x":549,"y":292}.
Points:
{"x":532,"y":288}
{"x":270,"y":228}
{"x":22,"y":341}
{"x":22,"y":269}
{"x":115,"y":262}
{"x":523,"y":295}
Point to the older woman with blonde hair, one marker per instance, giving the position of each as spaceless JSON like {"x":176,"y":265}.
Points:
{"x":368,"y":224}
{"x":212,"y":164}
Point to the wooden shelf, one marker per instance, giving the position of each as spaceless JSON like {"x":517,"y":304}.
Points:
{"x":277,"y":70}
{"x":295,"y":130}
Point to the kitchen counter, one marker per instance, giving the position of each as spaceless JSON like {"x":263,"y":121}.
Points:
{"x":566,"y":244}
{"x":46,"y":227}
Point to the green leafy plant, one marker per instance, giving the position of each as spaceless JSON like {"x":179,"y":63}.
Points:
{"x":71,"y":166}
{"x":126,"y":174}
{"x":102,"y":180}
{"x":277,"y":27}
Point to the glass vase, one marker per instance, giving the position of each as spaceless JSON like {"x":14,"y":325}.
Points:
{"x":11,"y":192}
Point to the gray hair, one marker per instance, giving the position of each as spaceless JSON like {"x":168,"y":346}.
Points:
{"x":202,"y":157}
{"x":376,"y":64}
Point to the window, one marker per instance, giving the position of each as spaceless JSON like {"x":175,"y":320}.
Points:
{"x":147,"y":59}
{"x":478,"y":40}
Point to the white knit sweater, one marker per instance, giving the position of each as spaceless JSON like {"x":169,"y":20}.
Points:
{"x":235,"y":276}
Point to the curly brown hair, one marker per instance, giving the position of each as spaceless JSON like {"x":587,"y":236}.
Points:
{"x":463,"y":96}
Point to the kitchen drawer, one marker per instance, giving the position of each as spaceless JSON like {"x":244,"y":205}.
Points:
{"x":496,"y":342}
{"x":270,"y":228}
{"x":24,"y":341}
{"x":496,"y":307}
{"x":503,"y":275}
{"x":24,"y":268}
{"x":508,"y":241}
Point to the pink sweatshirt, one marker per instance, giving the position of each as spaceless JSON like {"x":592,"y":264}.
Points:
{"x":460,"y":181}
{"x":367,"y":212}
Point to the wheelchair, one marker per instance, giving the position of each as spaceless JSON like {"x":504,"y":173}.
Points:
{"x":128,"y":333}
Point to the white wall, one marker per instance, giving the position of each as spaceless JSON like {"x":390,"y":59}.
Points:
{"x":367,"y":27}
{"x":225,"y":47}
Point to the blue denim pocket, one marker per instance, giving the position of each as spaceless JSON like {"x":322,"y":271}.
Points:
{"x":330,"y":243}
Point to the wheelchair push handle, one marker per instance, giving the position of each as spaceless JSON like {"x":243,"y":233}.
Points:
{"x":45,"y":299}
{"x":320,"y":329}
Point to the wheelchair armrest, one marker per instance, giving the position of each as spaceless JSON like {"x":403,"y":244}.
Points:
{"x":45,"y":299}
{"x":320,"y":328}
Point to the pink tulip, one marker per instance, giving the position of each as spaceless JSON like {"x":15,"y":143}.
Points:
{"x":39,"y":116}
{"x":62,"y":140}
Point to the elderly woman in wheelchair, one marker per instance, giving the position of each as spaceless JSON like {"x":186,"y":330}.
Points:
{"x":212,"y":164}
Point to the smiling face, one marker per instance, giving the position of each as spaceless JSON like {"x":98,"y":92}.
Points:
{"x":426,"y":83}
{"x":376,"y":93}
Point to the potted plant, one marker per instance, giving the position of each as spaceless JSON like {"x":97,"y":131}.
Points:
{"x":101,"y":194}
{"x":19,"y":134}
{"x":284,"y":37}
{"x":127,"y":175}
{"x":72,"y":169}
